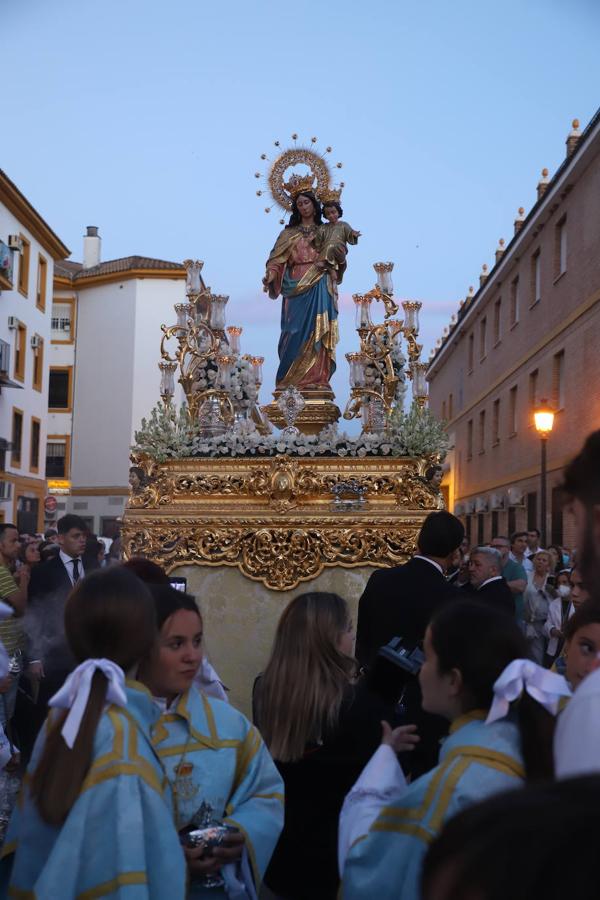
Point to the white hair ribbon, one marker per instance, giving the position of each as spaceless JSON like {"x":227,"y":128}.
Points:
{"x":74,"y":693}
{"x":524,"y":675}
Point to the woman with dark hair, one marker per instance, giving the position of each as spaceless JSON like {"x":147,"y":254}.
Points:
{"x":474,"y":655}
{"x":321,"y":729}
{"x":29,"y":554}
{"x":215,"y":760}
{"x":94,"y":819}
{"x":309,"y":328}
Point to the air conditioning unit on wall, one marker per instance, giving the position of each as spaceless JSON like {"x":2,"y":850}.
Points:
{"x":481,"y":505}
{"x":469,"y":507}
{"x":497,"y":501}
{"x":516,"y":497}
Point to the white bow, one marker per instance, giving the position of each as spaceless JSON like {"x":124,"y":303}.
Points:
{"x":524,"y":675}
{"x":74,"y":693}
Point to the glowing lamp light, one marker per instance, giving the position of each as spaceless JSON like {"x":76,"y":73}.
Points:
{"x":543,"y":417}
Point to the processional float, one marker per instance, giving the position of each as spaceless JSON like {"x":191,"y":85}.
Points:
{"x":276,"y":493}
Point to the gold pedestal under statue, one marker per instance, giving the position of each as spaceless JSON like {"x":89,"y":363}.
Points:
{"x":318,"y":412}
{"x":250,"y":533}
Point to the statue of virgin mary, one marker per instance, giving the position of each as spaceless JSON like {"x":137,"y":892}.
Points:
{"x":309,"y":328}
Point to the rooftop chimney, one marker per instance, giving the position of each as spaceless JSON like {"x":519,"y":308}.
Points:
{"x":542,"y":184}
{"x":520,"y":219}
{"x":91,"y":247}
{"x":573,"y":138}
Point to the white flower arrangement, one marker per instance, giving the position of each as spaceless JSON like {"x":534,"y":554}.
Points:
{"x":243,"y":390}
{"x":374,"y":377}
{"x":169,"y":434}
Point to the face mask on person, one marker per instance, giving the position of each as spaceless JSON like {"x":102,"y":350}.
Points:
{"x":564,"y":590}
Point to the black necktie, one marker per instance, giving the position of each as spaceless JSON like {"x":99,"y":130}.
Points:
{"x":75,"y":570}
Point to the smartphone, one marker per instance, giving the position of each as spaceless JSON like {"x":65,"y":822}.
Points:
{"x":180,"y":584}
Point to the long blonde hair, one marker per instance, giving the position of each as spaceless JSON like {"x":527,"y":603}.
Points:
{"x":302,"y":687}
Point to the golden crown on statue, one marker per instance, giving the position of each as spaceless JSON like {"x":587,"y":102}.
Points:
{"x":298,"y":184}
{"x":330,"y":195}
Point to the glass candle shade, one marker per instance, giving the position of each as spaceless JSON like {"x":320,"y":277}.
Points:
{"x":217,"y":311}
{"x":384,"y":277}
{"x":357,"y":369}
{"x":257,"y":364}
{"x":225,"y":364}
{"x":181,"y":312}
{"x":193,"y":282}
{"x":419,"y":381}
{"x":167,"y":379}
{"x":363,"y":310}
{"x":411,"y":314}
{"x":234,"y":332}
{"x":395,"y":329}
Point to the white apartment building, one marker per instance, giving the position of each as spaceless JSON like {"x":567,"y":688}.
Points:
{"x":104,"y":377}
{"x":29,"y":250}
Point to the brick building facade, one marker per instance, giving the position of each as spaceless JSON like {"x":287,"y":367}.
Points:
{"x":531,"y":332}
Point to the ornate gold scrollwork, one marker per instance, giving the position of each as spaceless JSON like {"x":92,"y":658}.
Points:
{"x":276,"y":518}
{"x":280,"y":557}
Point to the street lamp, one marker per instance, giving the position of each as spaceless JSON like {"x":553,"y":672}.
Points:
{"x":543,"y":416}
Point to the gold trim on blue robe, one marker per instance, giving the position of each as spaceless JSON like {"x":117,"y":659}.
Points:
{"x":119,"y":839}
{"x":476,"y":761}
{"x":213,"y":754}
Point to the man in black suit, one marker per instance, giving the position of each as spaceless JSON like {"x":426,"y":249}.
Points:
{"x":399,"y":602}
{"x":51,"y":582}
{"x":487,"y":583}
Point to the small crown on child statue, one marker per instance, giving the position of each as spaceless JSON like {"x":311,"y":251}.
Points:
{"x":330,"y":195}
{"x":298,"y":184}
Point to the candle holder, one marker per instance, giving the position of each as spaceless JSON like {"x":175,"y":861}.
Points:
{"x":377,"y":372}
{"x":206,"y":362}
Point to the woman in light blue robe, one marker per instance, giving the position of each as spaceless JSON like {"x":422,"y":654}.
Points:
{"x":94,"y":818}
{"x":214,"y":758}
{"x":467,"y":647}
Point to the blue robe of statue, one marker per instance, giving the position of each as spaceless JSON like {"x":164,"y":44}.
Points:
{"x":212,"y":754}
{"x":119,"y":840}
{"x":476,"y":761}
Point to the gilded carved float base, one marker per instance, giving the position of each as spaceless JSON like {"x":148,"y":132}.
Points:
{"x":280,"y":520}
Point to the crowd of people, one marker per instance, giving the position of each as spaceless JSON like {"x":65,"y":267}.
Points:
{"x":413,"y":758}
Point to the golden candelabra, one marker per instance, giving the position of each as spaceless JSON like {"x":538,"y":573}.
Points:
{"x":204,"y":342}
{"x":377,"y":345}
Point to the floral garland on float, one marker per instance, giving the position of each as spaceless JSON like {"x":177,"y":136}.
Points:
{"x":170,"y":433}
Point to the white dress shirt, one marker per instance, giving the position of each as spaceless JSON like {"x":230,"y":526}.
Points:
{"x":431,"y":562}
{"x":488,"y":580}
{"x":68,"y":561}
